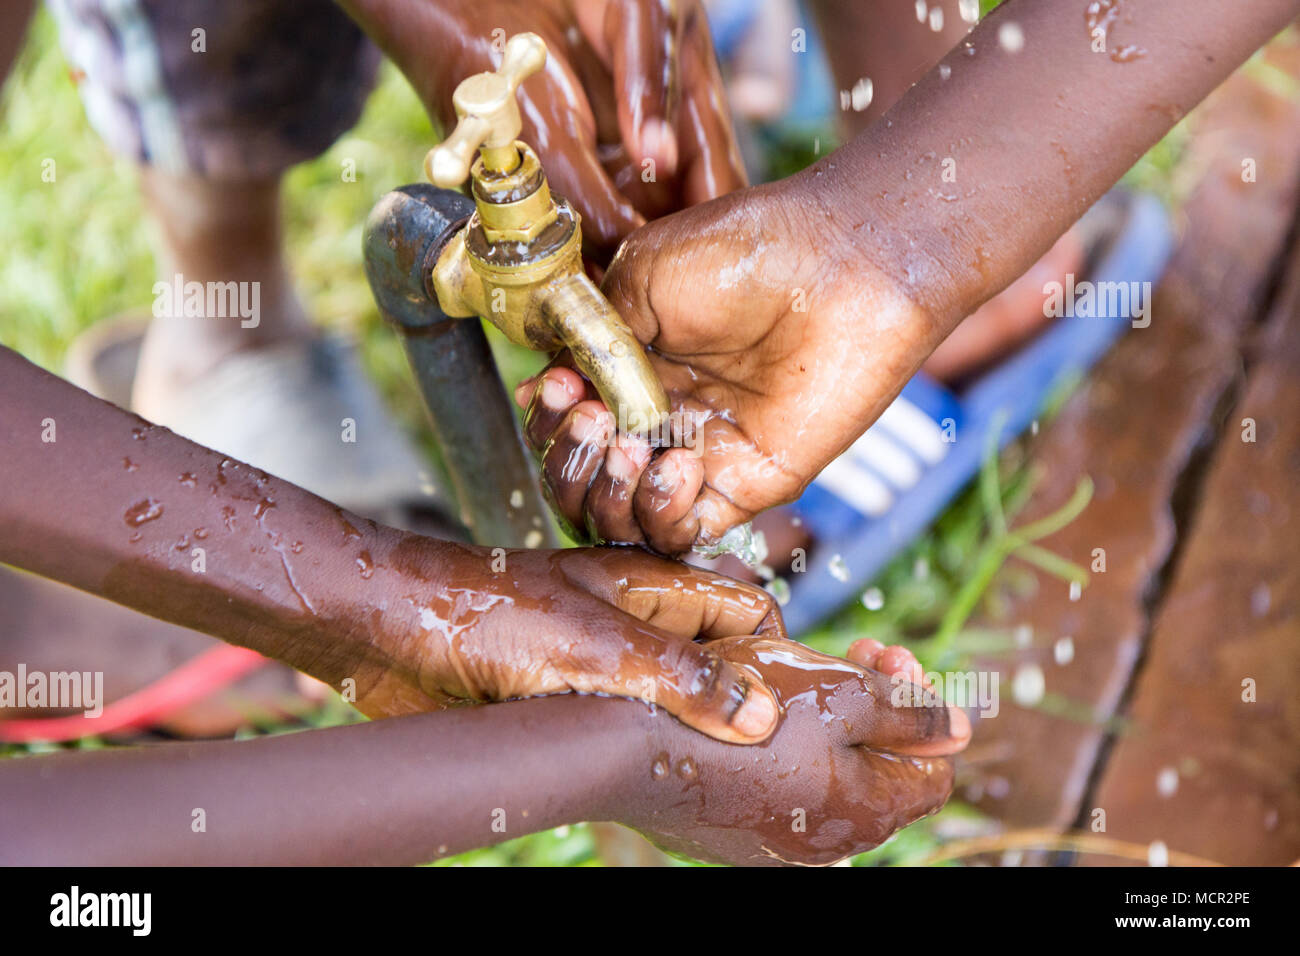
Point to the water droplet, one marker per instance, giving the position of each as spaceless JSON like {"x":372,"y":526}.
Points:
{"x":1158,"y":854}
{"x":1076,"y":590}
{"x":1261,"y":599}
{"x":1028,"y":685}
{"x":200,"y":533}
{"x":779,"y":588}
{"x":863,"y":92}
{"x":969,"y":10}
{"x":142,"y":511}
{"x":873,"y":599}
{"x":129,"y":465}
{"x":838,"y":569}
{"x":188,"y":480}
{"x":618,"y":348}
{"x":1167,"y":782}
{"x":516,"y":499}
{"x":1063,"y":651}
{"x":534,"y":539}
{"x":366,"y":565}
{"x":936,"y":19}
{"x":1010,"y":37}
{"x":921,"y":569}
{"x":999,"y":788}
{"x":686,"y":768}
{"x":920,"y":11}
{"x":945,"y":71}
{"x":747,"y":545}
{"x":659,"y":769}
{"x":1023,"y":635}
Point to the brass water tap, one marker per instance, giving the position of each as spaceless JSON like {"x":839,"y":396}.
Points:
{"x":517,"y":262}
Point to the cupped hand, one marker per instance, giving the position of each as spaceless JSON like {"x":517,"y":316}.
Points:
{"x":459,"y":625}
{"x":775,"y":347}
{"x":629,"y":116}
{"x":858,"y":754}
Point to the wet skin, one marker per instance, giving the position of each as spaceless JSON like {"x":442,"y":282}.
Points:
{"x":131,"y":512}
{"x":845,"y":769}
{"x":786,"y":317}
{"x":411,"y":789}
{"x":625,"y":81}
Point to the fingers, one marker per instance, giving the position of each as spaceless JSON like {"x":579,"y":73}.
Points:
{"x":689,"y":680}
{"x":664,"y":502}
{"x":570,"y":460}
{"x":865,"y":652}
{"x":906,"y":718}
{"x":610,"y":498}
{"x":683,"y":601}
{"x":710,"y":159}
{"x":610,"y":484}
{"x":901,"y":790}
{"x":559,"y":122}
{"x":642,"y":39}
{"x":546,"y":399}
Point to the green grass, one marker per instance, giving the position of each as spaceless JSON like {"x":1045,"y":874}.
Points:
{"x":78,"y":249}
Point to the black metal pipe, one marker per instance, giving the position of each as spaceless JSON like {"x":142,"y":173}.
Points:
{"x":484,"y":459}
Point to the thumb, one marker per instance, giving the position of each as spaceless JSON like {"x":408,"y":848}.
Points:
{"x":688,"y":680}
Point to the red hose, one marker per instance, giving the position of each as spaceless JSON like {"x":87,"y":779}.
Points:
{"x":193,"y":680}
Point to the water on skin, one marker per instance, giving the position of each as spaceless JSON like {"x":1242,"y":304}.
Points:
{"x":1100,"y":17}
{"x":141,"y":512}
{"x":846,"y":817}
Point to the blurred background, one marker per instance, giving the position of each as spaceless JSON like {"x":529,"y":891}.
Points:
{"x":81,"y":251}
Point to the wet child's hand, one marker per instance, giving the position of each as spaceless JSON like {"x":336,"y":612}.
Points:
{"x":626,"y":83}
{"x":775,"y":354}
{"x":463,"y":625}
{"x":858,"y":754}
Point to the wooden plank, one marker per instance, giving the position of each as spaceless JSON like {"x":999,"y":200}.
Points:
{"x":1136,"y":428}
{"x":1211,"y":763}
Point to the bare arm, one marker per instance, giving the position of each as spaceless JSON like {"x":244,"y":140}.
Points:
{"x":100,"y":499}
{"x":844,"y":761}
{"x":788,"y":316}
{"x":1035,"y":135}
{"x":400,"y":791}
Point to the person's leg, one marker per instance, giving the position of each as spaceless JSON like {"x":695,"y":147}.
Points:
{"x":214,"y":232}
{"x":215,"y":99}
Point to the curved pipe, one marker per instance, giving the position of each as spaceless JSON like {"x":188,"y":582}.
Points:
{"x":483,"y":457}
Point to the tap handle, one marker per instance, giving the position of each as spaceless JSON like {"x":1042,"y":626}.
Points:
{"x":487,"y":116}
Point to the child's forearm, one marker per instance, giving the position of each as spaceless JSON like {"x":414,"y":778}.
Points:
{"x":399,"y":791}
{"x":100,"y":499}
{"x":969,"y":179}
